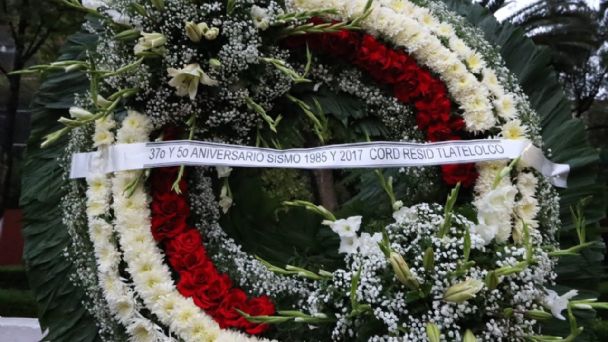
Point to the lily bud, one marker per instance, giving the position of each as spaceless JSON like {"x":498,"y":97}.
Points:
{"x":80,"y":113}
{"x":126,"y":35}
{"x":215,"y":63}
{"x":429,"y":259}
{"x":538,"y":315}
{"x":149,"y":41}
{"x":402,"y":271}
{"x":469,"y":337}
{"x":397,"y":205}
{"x":212,"y":33}
{"x":463,"y":291}
{"x":102,"y":102}
{"x":193,"y":32}
{"x":432,"y":332}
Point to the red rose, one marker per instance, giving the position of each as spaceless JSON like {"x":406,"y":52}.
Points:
{"x":441,"y":132}
{"x":406,"y":89}
{"x":186,"y":242}
{"x":225,"y":314}
{"x":373,"y":56}
{"x":393,"y":73}
{"x":466,"y":174}
{"x":170,"y":204}
{"x":342,"y":44}
{"x":187,"y":284}
{"x":438,"y":109}
{"x":188,"y":261}
{"x":258,"y":306}
{"x":214,"y":292}
{"x":167,"y":227}
{"x":425,"y":81}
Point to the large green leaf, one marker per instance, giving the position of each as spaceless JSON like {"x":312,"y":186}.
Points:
{"x":564,"y":137}
{"x":60,"y":303}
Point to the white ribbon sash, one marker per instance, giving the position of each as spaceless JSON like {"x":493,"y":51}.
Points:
{"x":139,"y":156}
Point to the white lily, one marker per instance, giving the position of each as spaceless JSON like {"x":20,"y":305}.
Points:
{"x":186,"y":80}
{"x":556,"y":303}
{"x":345,"y":228}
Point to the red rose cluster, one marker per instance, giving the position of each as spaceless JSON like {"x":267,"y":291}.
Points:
{"x":198,"y":277}
{"x":410,"y":83}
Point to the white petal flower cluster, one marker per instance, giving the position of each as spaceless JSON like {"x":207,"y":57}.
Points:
{"x":347,"y":230}
{"x":494,"y":211}
{"x":557,"y":303}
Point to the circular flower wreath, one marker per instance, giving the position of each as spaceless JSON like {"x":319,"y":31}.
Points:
{"x":175,"y":249}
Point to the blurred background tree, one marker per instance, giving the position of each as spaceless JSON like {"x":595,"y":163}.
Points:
{"x":31,"y":31}
{"x":576,"y":35}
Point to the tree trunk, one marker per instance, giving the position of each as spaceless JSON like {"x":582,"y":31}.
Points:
{"x":324,"y":180}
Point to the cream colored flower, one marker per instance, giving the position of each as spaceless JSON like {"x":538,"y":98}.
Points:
{"x":186,"y":80}
{"x":505,"y":106}
{"x":149,"y":42}
{"x":514,"y":130}
{"x":260,"y":17}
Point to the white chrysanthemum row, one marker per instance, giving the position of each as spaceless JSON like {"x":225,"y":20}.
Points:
{"x":151,"y":277}
{"x":471,"y":82}
{"x":119,"y":296}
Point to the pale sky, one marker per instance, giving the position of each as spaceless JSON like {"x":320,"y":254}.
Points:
{"x":517,"y":4}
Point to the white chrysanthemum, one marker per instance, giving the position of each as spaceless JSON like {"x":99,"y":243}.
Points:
{"x":479,"y":121}
{"x":136,"y":120}
{"x":125,"y":308}
{"x":107,"y":256}
{"x":474,"y":62}
{"x":487,"y":175}
{"x":105,"y":123}
{"x":526,"y":183}
{"x":445,"y":30}
{"x":141,"y":331}
{"x":458,"y":45}
{"x":514,"y":130}
{"x":97,"y":207}
{"x":102,"y":137}
{"x":505,"y":107}
{"x":527,"y":208}
{"x":490,"y":80}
